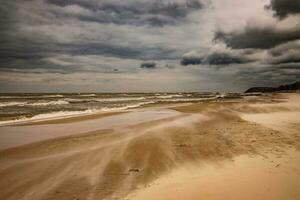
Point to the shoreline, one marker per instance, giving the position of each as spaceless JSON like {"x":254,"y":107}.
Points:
{"x":80,"y":115}
{"x":19,"y":109}
{"x":14,"y":136}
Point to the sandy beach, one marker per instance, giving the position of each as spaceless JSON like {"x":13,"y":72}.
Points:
{"x":245,"y":148}
{"x":150,"y":100}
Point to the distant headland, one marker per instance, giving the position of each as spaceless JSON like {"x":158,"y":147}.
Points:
{"x":283,"y":88}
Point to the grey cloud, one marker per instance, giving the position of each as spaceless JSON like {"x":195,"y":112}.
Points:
{"x":190,"y":61}
{"x":215,"y":58}
{"x":289,"y":57}
{"x":257,"y":37}
{"x":226,"y":59}
{"x":69,"y":64}
{"x":31,"y":56}
{"x":191,"y":58}
{"x":39,"y":31}
{"x":282,"y":49}
{"x":154,"y":13}
{"x":148,"y":65}
{"x":285,"y":53}
{"x":113,"y":39}
{"x":277,"y":41}
{"x":283,"y":8}
{"x":170,"y":8}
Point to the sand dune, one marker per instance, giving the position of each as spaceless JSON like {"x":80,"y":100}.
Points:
{"x":195,"y":154}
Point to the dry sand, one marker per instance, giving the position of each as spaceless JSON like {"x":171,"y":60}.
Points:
{"x":241,"y":149}
{"x":244,"y":178}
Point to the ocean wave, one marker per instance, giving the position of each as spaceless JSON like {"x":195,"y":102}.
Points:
{"x":188,"y":99}
{"x":48,"y":116}
{"x":87,"y":95}
{"x":55,"y":95}
{"x":61,"y":114}
{"x":6,"y":104}
{"x":66,"y":114}
{"x":127,"y":107}
{"x":6,"y":97}
{"x":120,"y":99}
{"x":15,"y":97}
{"x":168,"y":96}
{"x":59,"y":102}
{"x":31,"y":96}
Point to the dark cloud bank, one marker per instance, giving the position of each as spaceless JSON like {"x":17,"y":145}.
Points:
{"x":258,"y":37}
{"x":214,"y":59}
{"x":282,"y":8}
{"x":148,"y":65}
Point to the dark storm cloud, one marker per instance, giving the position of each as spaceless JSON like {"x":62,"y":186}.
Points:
{"x":283,"y":8}
{"x":257,"y":37}
{"x":225,"y":59}
{"x":31,"y":65}
{"x":191,"y":60}
{"x":215,"y":58}
{"x":154,"y":13}
{"x":148,"y":65}
{"x":293,"y":58}
{"x":38,"y":64}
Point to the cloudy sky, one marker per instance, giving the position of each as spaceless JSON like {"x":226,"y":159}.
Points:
{"x":147,"y":45}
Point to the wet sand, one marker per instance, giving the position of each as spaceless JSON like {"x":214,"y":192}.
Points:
{"x":234,"y":149}
{"x":12,"y":136}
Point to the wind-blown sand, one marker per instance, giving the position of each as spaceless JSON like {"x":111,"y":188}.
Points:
{"x":245,"y":178}
{"x":234,"y":149}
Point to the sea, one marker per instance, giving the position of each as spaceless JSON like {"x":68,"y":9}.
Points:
{"x":38,"y":106}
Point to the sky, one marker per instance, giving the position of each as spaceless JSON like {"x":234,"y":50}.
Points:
{"x":148,"y":45}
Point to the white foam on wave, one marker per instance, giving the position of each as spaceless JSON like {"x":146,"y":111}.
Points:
{"x":188,"y":99}
{"x":127,"y":107}
{"x":54,"y":95}
{"x":6,"y":104}
{"x":6,"y":97}
{"x":168,"y":96}
{"x":59,"y":102}
{"x":48,"y":116}
{"x":18,"y":103}
{"x":120,"y":99}
{"x":87,"y":95}
{"x":61,"y":114}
